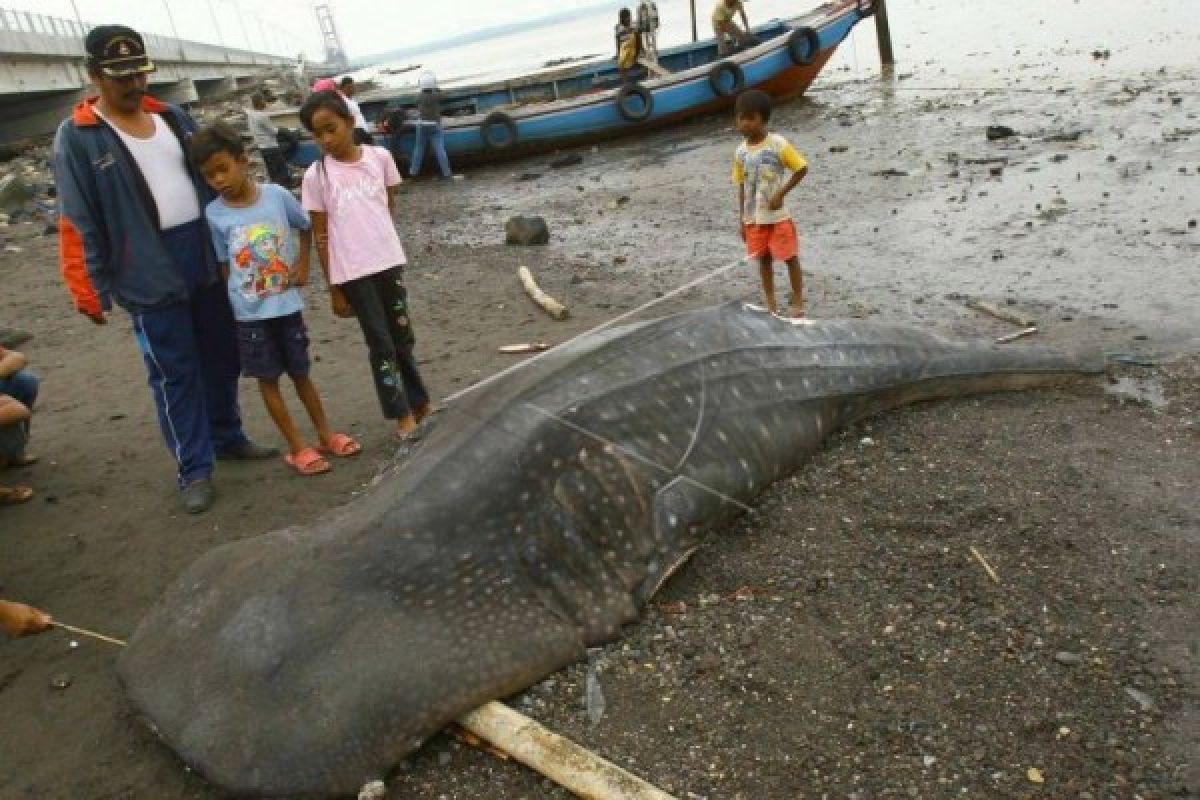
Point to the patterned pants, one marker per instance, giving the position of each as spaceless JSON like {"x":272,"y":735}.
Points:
{"x":380,"y":302}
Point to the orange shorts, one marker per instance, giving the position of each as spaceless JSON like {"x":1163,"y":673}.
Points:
{"x":778,"y":240}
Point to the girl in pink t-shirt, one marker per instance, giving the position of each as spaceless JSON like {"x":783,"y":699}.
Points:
{"x":350,"y":193}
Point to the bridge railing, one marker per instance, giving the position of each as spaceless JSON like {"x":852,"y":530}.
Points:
{"x":34,"y":34}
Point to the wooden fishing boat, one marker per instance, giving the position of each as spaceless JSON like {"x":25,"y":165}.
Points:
{"x":586,"y":103}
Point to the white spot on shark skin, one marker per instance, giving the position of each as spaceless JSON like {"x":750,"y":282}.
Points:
{"x":721,"y":435}
{"x":778,"y":385}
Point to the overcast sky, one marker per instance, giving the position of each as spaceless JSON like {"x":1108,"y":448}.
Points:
{"x":366,"y":26}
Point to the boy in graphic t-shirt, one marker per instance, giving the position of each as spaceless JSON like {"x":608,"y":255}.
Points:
{"x":252,"y":231}
{"x":760,"y":170}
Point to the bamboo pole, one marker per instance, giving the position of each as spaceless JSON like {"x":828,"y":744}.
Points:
{"x":558,"y":758}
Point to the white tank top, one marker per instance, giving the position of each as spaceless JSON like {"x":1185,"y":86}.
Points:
{"x":161,"y":160}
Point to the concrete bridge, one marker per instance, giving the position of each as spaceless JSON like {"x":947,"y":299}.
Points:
{"x":42,"y":70}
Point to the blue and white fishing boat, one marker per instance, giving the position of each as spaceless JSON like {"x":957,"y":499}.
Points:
{"x":586,"y":103}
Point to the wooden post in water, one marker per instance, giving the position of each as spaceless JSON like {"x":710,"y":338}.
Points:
{"x":695,"y":37}
{"x":883,"y":32}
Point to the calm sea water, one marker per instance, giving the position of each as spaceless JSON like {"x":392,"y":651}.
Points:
{"x":957,"y":38}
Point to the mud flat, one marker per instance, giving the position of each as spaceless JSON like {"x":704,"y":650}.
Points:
{"x":843,"y":640}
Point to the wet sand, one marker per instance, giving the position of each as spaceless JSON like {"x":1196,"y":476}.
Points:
{"x":1084,"y":500}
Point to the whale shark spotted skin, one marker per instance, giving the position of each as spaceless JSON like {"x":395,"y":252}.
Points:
{"x":535,"y":520}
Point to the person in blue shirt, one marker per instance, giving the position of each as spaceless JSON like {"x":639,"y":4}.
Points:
{"x":131,"y":232}
{"x":254,"y":229}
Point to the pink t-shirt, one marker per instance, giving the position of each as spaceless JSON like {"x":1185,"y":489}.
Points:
{"x":362,"y":236}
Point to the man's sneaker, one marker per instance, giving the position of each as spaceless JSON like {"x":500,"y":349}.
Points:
{"x":248,"y":452}
{"x":197,"y":496}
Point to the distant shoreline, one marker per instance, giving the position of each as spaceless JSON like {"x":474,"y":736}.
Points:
{"x":481,"y":34}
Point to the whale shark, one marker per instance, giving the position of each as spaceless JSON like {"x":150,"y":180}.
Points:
{"x":535,"y":519}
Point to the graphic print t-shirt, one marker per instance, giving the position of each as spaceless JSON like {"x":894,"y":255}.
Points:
{"x":763,"y":169}
{"x":362,"y":235}
{"x":259,"y":245}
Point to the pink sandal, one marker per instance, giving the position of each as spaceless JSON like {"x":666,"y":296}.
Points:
{"x":307,"y":462}
{"x":342,"y":446}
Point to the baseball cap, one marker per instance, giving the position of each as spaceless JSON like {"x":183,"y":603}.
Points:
{"x":117,"y":51}
{"x":325,"y":85}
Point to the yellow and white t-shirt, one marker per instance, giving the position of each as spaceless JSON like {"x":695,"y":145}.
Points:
{"x":763,"y":169}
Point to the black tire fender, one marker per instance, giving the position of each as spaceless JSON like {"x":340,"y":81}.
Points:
{"x":496,"y":123}
{"x":633,"y":113}
{"x":734,"y":70}
{"x":803,"y":45}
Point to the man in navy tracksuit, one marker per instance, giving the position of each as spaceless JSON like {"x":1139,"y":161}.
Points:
{"x":132,"y":230}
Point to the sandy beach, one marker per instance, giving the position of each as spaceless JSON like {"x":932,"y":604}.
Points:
{"x":841,"y":641}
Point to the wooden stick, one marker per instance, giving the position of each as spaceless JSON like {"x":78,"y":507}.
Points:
{"x":983,"y":562}
{"x":525,"y":347}
{"x":656,"y":69}
{"x":559,"y":759}
{"x":548,"y":303}
{"x":86,"y":632}
{"x":1002,"y":313}
{"x":1012,"y":337}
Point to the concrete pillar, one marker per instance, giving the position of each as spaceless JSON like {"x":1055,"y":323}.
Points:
{"x":24,"y":116}
{"x":180,"y":93}
{"x":216,"y":88}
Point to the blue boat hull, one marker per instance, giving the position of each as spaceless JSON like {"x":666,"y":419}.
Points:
{"x":543,"y":113}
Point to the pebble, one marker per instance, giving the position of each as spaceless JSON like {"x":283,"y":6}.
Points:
{"x":1144,"y":701}
{"x":375,"y":790}
{"x":1068,"y":659}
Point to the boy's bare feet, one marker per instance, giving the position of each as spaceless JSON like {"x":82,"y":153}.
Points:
{"x":796,"y":311}
{"x":422,"y":411}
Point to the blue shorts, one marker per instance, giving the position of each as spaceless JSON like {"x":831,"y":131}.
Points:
{"x":271,"y":347}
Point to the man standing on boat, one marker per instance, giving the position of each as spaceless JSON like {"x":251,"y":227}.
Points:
{"x":628,"y":44}
{"x":729,"y":35}
{"x":647,"y":25}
